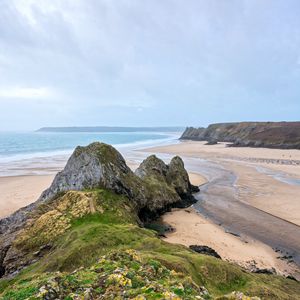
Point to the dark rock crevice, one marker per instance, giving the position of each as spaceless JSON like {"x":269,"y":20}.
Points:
{"x":3,"y":253}
{"x":146,"y":215}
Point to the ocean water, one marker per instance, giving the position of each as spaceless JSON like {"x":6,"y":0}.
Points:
{"x":31,"y":153}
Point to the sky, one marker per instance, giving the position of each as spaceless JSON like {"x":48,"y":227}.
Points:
{"x":148,"y":62}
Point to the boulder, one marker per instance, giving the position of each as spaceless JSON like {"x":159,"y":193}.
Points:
{"x":205,"y":250}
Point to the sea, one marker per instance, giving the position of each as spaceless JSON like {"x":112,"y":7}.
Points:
{"x":43,"y":153}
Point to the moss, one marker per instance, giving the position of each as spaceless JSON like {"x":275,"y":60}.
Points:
{"x":19,"y":294}
{"x":113,"y":227}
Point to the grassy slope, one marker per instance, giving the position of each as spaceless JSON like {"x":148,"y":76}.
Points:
{"x":114,"y":230}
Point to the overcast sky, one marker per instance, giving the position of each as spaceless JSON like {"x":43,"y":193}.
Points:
{"x":148,"y":62}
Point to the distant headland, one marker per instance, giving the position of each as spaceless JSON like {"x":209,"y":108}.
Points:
{"x":111,"y":129}
{"x":281,"y":135}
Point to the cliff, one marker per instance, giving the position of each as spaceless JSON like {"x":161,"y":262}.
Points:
{"x":84,"y":239}
{"x":281,"y":135}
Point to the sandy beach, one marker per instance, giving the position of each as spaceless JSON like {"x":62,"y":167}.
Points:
{"x":254,"y":192}
{"x":263,"y":179}
{"x":19,"y":191}
{"x":258,"y":181}
{"x":192,"y":228}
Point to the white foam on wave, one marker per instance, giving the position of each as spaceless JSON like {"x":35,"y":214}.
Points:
{"x":50,"y":162}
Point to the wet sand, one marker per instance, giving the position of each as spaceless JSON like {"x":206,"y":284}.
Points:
{"x":192,"y":228}
{"x":244,"y":194}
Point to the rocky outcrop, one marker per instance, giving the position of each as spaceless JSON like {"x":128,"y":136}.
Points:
{"x":97,"y":165}
{"x":168,"y":186}
{"x":205,"y":250}
{"x":281,"y":135}
{"x":153,"y":189}
{"x":192,"y":133}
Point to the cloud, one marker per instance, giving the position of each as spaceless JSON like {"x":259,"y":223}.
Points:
{"x":132,"y":62}
{"x":26,"y":93}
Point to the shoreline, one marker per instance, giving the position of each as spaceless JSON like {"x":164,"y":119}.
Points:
{"x":192,"y":228}
{"x":55,"y":160}
{"x":204,"y":164}
{"x":243,"y":199}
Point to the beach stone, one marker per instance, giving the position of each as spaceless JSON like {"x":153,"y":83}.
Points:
{"x":271,"y":271}
{"x":205,"y":250}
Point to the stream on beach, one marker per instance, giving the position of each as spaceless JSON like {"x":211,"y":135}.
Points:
{"x":218,"y":200}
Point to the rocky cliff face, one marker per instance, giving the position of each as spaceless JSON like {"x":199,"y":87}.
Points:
{"x":97,"y":165}
{"x":281,"y":135}
{"x":155,"y":188}
{"x":167,"y":185}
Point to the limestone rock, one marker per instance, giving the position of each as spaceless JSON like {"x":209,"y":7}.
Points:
{"x":96,"y":165}
{"x":167,"y":185}
{"x":155,"y":188}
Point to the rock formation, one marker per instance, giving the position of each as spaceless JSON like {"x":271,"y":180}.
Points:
{"x":205,"y":250}
{"x":167,"y":185}
{"x":93,"y":166}
{"x":155,"y":188}
{"x":281,"y":135}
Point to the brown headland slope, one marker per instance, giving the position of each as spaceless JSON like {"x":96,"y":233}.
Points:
{"x":282,"y":135}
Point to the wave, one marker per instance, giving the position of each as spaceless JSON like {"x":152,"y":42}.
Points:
{"x":49,"y":162}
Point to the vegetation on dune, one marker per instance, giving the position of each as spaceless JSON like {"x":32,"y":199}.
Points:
{"x":88,"y":258}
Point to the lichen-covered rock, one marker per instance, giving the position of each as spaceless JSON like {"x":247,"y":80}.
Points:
{"x":152,"y":166}
{"x":167,"y":185}
{"x":178,"y":177}
{"x":93,"y":166}
{"x":153,"y":172}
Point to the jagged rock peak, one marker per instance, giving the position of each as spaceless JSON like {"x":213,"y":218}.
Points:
{"x":178,"y":177}
{"x":96,"y":165}
{"x":174,"y":174}
{"x":151,"y":166}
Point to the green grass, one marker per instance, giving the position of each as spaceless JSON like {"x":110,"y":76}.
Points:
{"x":116,"y":230}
